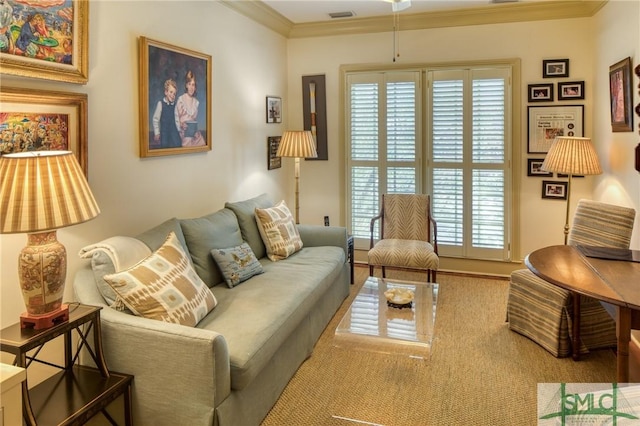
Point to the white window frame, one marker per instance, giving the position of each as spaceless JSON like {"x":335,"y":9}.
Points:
{"x":512,"y":129}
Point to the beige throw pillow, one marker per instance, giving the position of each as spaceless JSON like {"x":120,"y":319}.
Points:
{"x":164,"y":287}
{"x":278,"y":231}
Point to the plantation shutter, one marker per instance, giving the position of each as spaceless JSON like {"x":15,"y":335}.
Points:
{"x":383,"y":133}
{"x":469,"y":150}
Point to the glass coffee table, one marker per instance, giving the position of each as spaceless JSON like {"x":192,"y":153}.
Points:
{"x":370,"y":324}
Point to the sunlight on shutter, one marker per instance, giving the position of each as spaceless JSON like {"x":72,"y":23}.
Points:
{"x":488,"y":148}
{"x":364,"y":122}
{"x":364,"y":199}
{"x":488,"y":121}
{"x":448,"y":121}
{"x":488,"y":209}
{"x":401,"y":121}
{"x":448,"y":205}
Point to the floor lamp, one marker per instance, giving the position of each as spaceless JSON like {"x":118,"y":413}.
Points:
{"x":297,"y":144}
{"x":571,"y":155}
{"x":40,"y":192}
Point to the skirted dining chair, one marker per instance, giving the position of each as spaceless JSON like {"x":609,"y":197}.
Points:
{"x":408,"y":235}
{"x":543,"y":311}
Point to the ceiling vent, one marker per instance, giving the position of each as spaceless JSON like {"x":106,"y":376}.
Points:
{"x":347,"y":14}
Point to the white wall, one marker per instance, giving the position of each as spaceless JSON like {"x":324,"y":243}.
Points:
{"x":134,"y":194}
{"x":618,"y":29}
{"x":251,"y":62}
{"x":530,"y":41}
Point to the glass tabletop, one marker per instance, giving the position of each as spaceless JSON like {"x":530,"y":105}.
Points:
{"x":371,"y":324}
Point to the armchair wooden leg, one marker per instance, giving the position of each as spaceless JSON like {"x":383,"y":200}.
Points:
{"x":370,"y":270}
{"x":384,"y":272}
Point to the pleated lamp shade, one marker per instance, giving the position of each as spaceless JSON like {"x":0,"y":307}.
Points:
{"x":297,"y":143}
{"x":43,"y":190}
{"x":572,"y":155}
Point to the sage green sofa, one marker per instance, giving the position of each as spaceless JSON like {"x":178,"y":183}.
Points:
{"x":233,"y":365}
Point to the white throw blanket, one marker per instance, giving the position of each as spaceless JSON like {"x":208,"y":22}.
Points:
{"x":124,"y":252}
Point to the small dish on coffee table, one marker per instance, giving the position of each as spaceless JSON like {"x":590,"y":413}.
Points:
{"x":399,"y":297}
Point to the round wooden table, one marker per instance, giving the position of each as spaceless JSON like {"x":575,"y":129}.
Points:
{"x":613,"y":281}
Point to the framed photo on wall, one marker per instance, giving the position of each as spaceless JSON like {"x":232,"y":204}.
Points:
{"x":570,"y":90}
{"x":175,"y":99}
{"x":545,"y":123}
{"x":35,"y":120}
{"x":534,"y":168}
{"x":540,"y":92}
{"x":555,"y":68}
{"x":274,"y":109}
{"x":554,"y":190}
{"x":620,"y":96}
{"x":46,"y":39}
{"x":273,"y":162}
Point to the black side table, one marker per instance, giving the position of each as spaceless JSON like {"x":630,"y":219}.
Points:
{"x":76,"y":393}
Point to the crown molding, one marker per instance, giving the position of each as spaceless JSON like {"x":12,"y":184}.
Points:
{"x":262,"y":14}
{"x":492,"y":14}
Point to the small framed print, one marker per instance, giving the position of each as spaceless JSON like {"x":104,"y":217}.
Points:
{"x":570,"y":90}
{"x":540,"y":92}
{"x":273,"y":162}
{"x":546,"y":122}
{"x":534,"y":168}
{"x":274,"y":109}
{"x":555,"y":68}
{"x":554,"y":190}
{"x":620,"y":96}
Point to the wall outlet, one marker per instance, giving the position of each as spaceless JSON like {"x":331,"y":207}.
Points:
{"x":326,"y":221}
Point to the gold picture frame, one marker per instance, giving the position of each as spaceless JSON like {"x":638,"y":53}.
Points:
{"x":32,"y":120}
{"x":35,"y":48}
{"x":175,"y":87}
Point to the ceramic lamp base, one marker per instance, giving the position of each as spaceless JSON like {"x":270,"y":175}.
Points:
{"x":42,"y":270}
{"x":38,"y":322}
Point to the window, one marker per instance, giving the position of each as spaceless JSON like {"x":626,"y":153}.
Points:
{"x":384,"y":134}
{"x":467,"y":145}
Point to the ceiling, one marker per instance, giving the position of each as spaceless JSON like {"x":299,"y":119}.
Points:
{"x":310,"y":18}
{"x":304,"y":11}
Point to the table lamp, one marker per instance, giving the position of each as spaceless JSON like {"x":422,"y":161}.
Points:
{"x":572,"y":156}
{"x":297,"y":144}
{"x":41,"y":191}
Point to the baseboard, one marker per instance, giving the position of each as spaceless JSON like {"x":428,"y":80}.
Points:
{"x":446,"y":272}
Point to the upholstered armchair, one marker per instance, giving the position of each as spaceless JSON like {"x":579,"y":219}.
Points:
{"x":542,"y":311}
{"x":408,"y":235}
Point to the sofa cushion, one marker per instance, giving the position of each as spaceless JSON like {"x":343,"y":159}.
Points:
{"x":279,"y":232}
{"x":237,"y":264}
{"x":156,"y":236}
{"x":257,"y":317}
{"x":164,"y":287}
{"x":203,"y":234}
{"x":245,"y":212}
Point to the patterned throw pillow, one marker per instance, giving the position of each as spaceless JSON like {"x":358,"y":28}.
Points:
{"x":164,"y":287}
{"x":237,"y":264}
{"x":278,"y":231}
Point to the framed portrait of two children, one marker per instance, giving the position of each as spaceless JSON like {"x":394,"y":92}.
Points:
{"x":175,"y":99}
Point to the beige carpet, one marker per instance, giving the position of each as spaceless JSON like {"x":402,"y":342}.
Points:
{"x":479,"y":372}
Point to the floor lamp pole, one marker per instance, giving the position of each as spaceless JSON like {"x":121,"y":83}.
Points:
{"x":297,"y":204}
{"x":566,"y":220}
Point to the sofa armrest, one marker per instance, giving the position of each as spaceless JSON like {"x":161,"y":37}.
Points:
{"x":173,"y":365}
{"x":317,"y":235}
